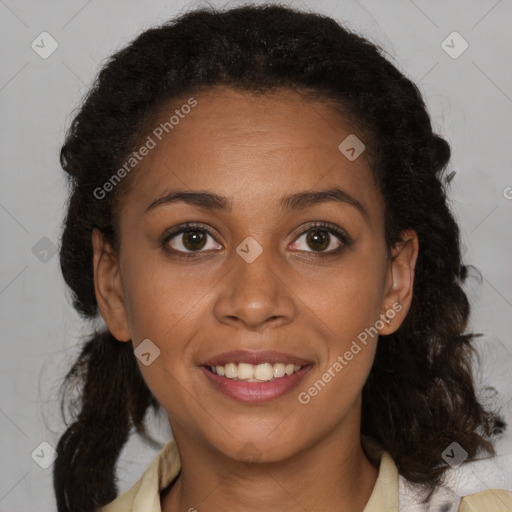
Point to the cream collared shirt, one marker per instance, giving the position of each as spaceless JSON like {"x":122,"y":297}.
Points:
{"x":144,"y":496}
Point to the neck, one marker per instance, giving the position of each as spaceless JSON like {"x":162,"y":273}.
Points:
{"x":331,"y":474}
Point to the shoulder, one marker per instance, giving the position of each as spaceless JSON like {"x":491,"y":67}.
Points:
{"x":123,"y":503}
{"x":144,"y":496}
{"x":490,"y":500}
{"x":449,"y":497}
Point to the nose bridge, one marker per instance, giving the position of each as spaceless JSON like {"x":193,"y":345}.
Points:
{"x":254,"y":292}
{"x":253,"y":265}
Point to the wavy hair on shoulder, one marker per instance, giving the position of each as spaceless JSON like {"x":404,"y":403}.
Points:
{"x":420,"y":395}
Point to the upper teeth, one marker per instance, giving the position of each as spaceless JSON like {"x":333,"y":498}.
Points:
{"x":255,"y":372}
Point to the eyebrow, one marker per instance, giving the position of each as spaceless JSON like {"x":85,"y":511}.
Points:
{"x":297,"y":201}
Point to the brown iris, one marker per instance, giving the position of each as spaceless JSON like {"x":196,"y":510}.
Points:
{"x":192,"y":237}
{"x":318,"y":236}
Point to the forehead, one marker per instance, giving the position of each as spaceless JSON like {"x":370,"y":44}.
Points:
{"x":251,"y":148}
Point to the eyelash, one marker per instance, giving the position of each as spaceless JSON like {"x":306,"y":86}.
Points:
{"x":338,"y":232}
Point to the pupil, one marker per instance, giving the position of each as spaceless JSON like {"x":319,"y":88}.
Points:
{"x":318,"y":236}
{"x":192,"y":237}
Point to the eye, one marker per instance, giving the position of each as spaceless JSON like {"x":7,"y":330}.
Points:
{"x":319,"y":237}
{"x":189,"y":238}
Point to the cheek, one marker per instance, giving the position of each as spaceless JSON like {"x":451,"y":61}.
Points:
{"x":160,"y":309}
{"x":160,"y":295}
{"x":347,"y":297}
{"x":165,"y":304}
{"x":348,"y":304}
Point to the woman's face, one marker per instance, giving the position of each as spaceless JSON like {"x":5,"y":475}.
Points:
{"x":254,"y":275}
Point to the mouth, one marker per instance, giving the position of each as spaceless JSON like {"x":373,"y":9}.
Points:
{"x":255,"y":377}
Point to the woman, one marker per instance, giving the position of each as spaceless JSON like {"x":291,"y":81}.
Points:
{"x":258,"y":214}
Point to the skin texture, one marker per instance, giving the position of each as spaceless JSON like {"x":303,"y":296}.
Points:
{"x":254,"y":150}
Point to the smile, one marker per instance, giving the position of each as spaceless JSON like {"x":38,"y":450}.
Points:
{"x":255,"y":391}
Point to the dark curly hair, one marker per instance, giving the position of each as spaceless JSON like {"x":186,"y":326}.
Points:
{"x":420,"y":395}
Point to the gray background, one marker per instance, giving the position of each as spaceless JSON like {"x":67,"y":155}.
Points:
{"x":469,"y":97}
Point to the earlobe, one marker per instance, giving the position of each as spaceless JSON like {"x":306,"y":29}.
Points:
{"x":398,"y":297}
{"x":107,"y":287}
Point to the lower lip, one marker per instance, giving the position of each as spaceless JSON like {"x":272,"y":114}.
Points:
{"x":256,"y":392}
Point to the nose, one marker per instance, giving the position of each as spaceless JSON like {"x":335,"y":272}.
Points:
{"x":256,"y":293}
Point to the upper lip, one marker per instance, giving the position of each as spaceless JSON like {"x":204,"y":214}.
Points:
{"x":254,"y":357}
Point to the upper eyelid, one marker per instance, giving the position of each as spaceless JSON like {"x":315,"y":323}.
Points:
{"x":331,"y":228}
{"x":178,"y":230}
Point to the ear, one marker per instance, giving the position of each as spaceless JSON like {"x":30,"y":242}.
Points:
{"x":108,"y":289}
{"x":400,"y":282}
